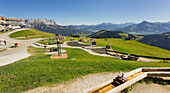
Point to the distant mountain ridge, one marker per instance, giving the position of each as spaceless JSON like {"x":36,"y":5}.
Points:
{"x":143,"y":28}
{"x":146,"y":28}
{"x":103,"y":26}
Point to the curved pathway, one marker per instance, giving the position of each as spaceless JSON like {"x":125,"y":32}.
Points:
{"x":87,"y":49}
{"x":14,"y":54}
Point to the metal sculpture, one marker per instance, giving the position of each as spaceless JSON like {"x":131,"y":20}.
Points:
{"x":59,"y":47}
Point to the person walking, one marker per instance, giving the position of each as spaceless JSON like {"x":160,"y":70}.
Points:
{"x":4,"y":42}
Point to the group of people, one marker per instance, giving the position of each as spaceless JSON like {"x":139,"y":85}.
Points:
{"x":94,"y":43}
{"x":5,"y":42}
{"x":107,"y":46}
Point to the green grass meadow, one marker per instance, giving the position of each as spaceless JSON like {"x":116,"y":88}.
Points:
{"x":31,"y":32}
{"x":39,"y":70}
{"x":126,"y":46}
{"x":133,"y":47}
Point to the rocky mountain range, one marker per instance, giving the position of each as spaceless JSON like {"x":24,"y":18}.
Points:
{"x":146,"y":29}
{"x":143,"y":28}
{"x":51,"y":26}
{"x":31,"y":22}
{"x":63,"y":30}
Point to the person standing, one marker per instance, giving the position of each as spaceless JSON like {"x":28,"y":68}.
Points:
{"x":45,"y":47}
{"x":16,"y":45}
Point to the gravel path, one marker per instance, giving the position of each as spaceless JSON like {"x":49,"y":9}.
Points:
{"x":80,"y":84}
{"x":14,"y":54}
{"x":77,"y":44}
{"x":77,"y":85}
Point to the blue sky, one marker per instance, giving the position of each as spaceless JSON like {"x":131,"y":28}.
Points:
{"x":88,"y":11}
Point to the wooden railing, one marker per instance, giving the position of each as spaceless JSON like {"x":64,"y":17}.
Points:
{"x":137,"y":56}
{"x":9,"y":19}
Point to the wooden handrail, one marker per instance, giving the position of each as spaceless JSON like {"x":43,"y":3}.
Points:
{"x":138,"y":55}
{"x":9,"y":19}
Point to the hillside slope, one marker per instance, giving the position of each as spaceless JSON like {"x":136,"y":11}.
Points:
{"x":159,"y":40}
{"x":30,"y":33}
{"x":133,"y":47}
{"x":108,"y":34}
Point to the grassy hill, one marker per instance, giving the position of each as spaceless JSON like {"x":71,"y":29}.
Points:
{"x":133,"y":47}
{"x":40,"y":70}
{"x":159,"y":40}
{"x":127,"y":46}
{"x":113,"y":34}
{"x":108,"y":34}
{"x":30,"y":33}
